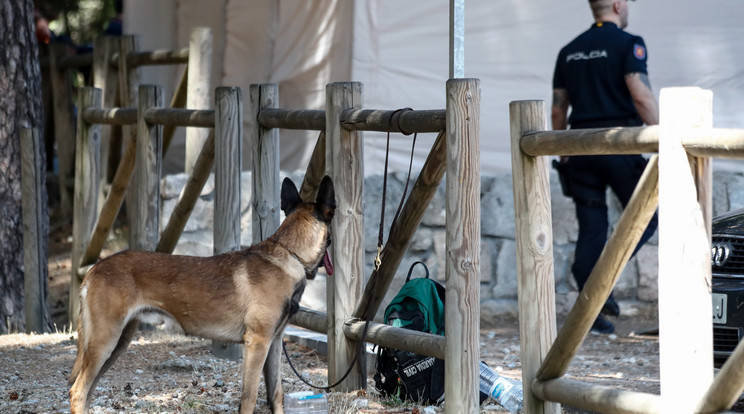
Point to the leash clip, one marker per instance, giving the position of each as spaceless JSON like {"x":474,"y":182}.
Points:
{"x":378,"y":260}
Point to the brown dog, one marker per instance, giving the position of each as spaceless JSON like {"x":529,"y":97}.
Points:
{"x":245,"y":296}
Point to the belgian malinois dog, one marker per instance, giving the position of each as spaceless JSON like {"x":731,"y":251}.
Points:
{"x":244,"y":296}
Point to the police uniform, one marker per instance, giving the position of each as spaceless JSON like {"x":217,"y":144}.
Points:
{"x":592,"y":69}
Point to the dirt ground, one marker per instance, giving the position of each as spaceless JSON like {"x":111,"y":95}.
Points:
{"x":175,"y":374}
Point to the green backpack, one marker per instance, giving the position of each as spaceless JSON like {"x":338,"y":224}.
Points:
{"x":419,"y":306}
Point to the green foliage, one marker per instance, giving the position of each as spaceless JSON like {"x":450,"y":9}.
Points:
{"x":81,"y":20}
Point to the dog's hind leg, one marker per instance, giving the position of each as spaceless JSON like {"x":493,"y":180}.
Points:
{"x":255,"y":350}
{"x":121,"y":346}
{"x":101,"y":341}
{"x":92,"y":360}
{"x":272,"y":372}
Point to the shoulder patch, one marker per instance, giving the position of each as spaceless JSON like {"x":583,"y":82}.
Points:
{"x":639,"y":51}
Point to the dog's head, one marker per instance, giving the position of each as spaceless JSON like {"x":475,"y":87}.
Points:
{"x":312,"y":220}
{"x":325,"y":202}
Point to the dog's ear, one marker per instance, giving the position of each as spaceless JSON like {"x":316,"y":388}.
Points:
{"x":325,"y":203}
{"x":290,"y":196}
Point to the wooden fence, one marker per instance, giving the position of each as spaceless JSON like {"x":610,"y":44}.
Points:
{"x":141,"y":164}
{"x":678,"y":180}
{"x":118,"y":78}
{"x":338,"y":152}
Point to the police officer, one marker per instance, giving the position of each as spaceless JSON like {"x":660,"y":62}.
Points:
{"x":601,"y":75}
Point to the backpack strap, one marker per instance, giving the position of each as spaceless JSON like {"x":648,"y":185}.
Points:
{"x":414,"y":265}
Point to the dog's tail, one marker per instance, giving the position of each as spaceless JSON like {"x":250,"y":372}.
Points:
{"x":80,"y":342}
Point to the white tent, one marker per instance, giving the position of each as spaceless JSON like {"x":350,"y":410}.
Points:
{"x":399,"y":50}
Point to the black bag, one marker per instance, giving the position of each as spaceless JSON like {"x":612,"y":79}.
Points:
{"x":419,"y":305}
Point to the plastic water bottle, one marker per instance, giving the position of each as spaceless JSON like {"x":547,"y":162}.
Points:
{"x":305,"y":402}
{"x":506,"y":392}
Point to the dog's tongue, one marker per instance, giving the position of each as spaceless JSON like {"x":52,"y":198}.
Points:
{"x":327,"y":263}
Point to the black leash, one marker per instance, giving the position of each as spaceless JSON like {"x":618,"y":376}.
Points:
{"x":359,"y":350}
{"x":378,"y":260}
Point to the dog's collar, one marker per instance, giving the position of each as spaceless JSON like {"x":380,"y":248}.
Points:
{"x":309,"y":273}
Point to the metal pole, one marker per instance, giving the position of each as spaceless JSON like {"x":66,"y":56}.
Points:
{"x":457,"y":39}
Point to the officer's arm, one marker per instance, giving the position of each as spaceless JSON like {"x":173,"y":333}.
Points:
{"x":559,"y":110}
{"x":643,"y":97}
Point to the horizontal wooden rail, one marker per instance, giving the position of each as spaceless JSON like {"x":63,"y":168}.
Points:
{"x":715,"y":142}
{"x":155,"y":57}
{"x":380,"y":334}
{"x":151,"y":58}
{"x":598,"y":141}
{"x":180,"y":117}
{"x":399,"y":338}
{"x":110,"y":116}
{"x":406,"y":121}
{"x":310,"y":319}
{"x":596,"y":397}
{"x":700,"y":142}
{"x":312,"y":120}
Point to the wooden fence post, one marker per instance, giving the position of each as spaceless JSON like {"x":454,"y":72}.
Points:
{"x":145,"y":209}
{"x":36,"y":309}
{"x":344,"y":161}
{"x":265,"y":151}
{"x":462,"y":305}
{"x":197,"y":97}
{"x":534,"y":239}
{"x":228,"y":126}
{"x":684,"y":256}
{"x":64,"y":119}
{"x":128,"y":90}
{"x":87,"y":181}
{"x":105,"y":78}
{"x":265,"y":196}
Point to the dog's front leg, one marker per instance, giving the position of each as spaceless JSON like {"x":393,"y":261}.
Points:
{"x":272,"y":371}
{"x":255,"y":349}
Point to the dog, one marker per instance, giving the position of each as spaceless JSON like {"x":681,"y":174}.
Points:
{"x":244,"y":296}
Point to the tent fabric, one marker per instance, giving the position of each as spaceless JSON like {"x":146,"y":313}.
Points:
{"x":400,"y":52}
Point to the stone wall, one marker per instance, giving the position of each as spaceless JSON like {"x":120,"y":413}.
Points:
{"x":636,"y":289}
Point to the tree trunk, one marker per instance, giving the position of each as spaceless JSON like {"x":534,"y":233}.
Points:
{"x":20,"y":106}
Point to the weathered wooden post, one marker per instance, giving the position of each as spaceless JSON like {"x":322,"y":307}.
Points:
{"x":228,"y":128}
{"x":684,"y":256}
{"x":198,"y":94}
{"x":129,"y":79}
{"x":64,"y":127}
{"x":228,"y":144}
{"x":35,"y":306}
{"x":87,"y":181}
{"x":265,"y":199}
{"x":105,"y":78}
{"x":265,"y":196}
{"x":462,"y":305}
{"x":344,"y":162}
{"x":534,"y":239}
{"x":145,"y":209}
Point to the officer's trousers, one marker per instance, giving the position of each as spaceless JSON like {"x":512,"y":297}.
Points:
{"x":590,"y":177}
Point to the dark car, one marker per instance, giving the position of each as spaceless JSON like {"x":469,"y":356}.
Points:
{"x":727,"y":261}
